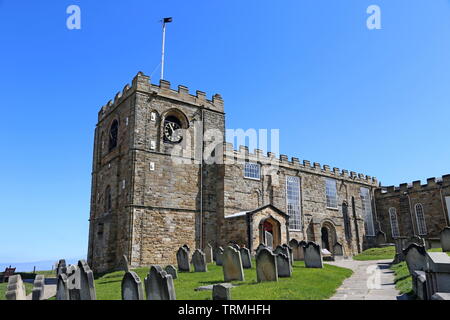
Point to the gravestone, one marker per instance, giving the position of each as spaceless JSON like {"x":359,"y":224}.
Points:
{"x":183,"y":260}
{"x":381,"y":238}
{"x":266,"y":266}
{"x":313,"y":255}
{"x":260,"y":247}
{"x":284,"y":250}
{"x":61,"y":267}
{"x":290,"y":251}
{"x":246,"y":258}
{"x":159,"y":285}
{"x":269,"y":239}
{"x":437,"y":273}
{"x":172,"y":271}
{"x":199,"y":261}
{"x":399,"y":256}
{"x":338,"y":250}
{"x":124,"y":264}
{"x":132,"y":287}
{"x":73,"y":282}
{"x":62,"y":288}
{"x":234,"y":245}
{"x":87,"y":285}
{"x":415,"y":257}
{"x":38,"y":287}
{"x":187,"y":248}
{"x":232,"y":265}
{"x":208,"y":253}
{"x":283,"y":265}
{"x":219,"y":256}
{"x":295,"y":249}
{"x":16,"y":288}
{"x":221,"y":292}
{"x":414,"y":239}
{"x":445,"y":239}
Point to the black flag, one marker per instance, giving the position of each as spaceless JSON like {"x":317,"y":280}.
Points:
{"x":167,"y":20}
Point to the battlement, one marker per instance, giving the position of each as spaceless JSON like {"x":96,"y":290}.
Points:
{"x":243,"y":154}
{"x":141,"y":83}
{"x":415,"y":186}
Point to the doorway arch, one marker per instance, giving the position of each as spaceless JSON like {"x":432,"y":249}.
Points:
{"x":272,"y":227}
{"x":328,"y":236}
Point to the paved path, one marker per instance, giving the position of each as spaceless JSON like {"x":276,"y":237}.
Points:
{"x":371,"y":280}
{"x":49,"y":289}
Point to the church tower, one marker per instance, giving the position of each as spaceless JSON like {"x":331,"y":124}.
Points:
{"x":144,"y":204}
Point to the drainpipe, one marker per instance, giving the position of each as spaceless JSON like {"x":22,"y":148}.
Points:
{"x":443,"y":207}
{"x":201,"y":181}
{"x":411,"y":213}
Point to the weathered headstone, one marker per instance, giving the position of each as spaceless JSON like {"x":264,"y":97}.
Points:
{"x":172,"y":271}
{"x":295,"y":249}
{"x":260,"y":247}
{"x":338,"y":250}
{"x":381,"y":238}
{"x":269,"y":239}
{"x":290,"y":251}
{"x":74,"y":282}
{"x":246,"y":258}
{"x":124,"y":264}
{"x":61,"y":267}
{"x":283,"y":265}
{"x":221,"y":292}
{"x":159,"y":285}
{"x":416,"y":257}
{"x":234,"y":245}
{"x":87,"y":284}
{"x":232,"y":265}
{"x":219,"y":256}
{"x":445,"y":239}
{"x":183,"y":260}
{"x":313,"y":255}
{"x":209,"y":253}
{"x":199,"y":261}
{"x":414,"y":239}
{"x":266,"y":266}
{"x":186,"y":247}
{"x":62,"y":288}
{"x":132,"y":287}
{"x":437,"y":273}
{"x":399,"y":256}
{"x":16,"y":288}
{"x":284,"y":250}
{"x":38,"y":287}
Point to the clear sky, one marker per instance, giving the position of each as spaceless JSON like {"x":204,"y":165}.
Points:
{"x":370,"y":101}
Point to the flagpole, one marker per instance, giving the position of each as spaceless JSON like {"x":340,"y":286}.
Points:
{"x":163,"y":45}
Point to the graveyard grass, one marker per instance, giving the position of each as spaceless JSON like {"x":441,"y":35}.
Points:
{"x":4,"y":286}
{"x":305,"y":284}
{"x":383,"y":253}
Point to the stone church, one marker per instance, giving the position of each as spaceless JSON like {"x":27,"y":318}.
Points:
{"x":145,"y":205}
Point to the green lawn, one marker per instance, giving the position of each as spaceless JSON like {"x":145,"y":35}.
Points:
{"x":305,"y":284}
{"x":384,"y":253}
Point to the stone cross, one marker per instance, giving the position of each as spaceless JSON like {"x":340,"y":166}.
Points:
{"x":183,"y":260}
{"x":170,"y":269}
{"x":232,"y":265}
{"x":132,"y":287}
{"x":159,"y":285}
{"x":38,"y":287}
{"x":87,"y":284}
{"x":445,"y":239}
{"x":221,"y":292}
{"x":313,"y":255}
{"x":246,"y":258}
{"x":16,"y":288}
{"x":199,"y":261}
{"x":266,"y":266}
{"x":283,"y":265}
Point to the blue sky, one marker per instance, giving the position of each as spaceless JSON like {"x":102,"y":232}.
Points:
{"x":371,"y":101}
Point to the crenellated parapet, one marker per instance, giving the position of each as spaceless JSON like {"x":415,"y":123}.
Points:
{"x":415,"y":186}
{"x":142,"y":84}
{"x":243,"y":154}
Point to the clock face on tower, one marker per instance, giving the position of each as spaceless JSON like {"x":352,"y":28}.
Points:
{"x":172,"y":132}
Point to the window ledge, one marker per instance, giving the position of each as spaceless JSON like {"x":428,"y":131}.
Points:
{"x":331,"y":208}
{"x":254,"y":179}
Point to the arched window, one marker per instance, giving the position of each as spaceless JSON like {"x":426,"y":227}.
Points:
{"x":420,"y":217}
{"x":113,"y":133}
{"x":394,"y":222}
{"x":108,"y":200}
{"x":347,"y":224}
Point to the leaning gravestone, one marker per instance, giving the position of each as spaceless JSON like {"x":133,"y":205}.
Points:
{"x":445,"y":239}
{"x":172,"y":271}
{"x":313,"y":255}
{"x":269,"y":239}
{"x":183,"y":260}
{"x":415,"y":257}
{"x":38,"y":287}
{"x":290,"y":251}
{"x":283,"y":250}
{"x":199,"y":261}
{"x":16,"y":288}
{"x":246,"y":258}
{"x":62,"y":289}
{"x":338,"y":250}
{"x":221,"y":292}
{"x":219,"y":256}
{"x":283,"y":265}
{"x":232,"y":265}
{"x":73,"y":282}
{"x":132,"y":287}
{"x":87,"y":285}
{"x":61,"y":268}
{"x":159,"y":285}
{"x":208,"y":253}
{"x":266,"y":266}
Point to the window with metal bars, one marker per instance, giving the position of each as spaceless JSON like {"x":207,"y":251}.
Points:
{"x":252,"y":171}
{"x":293,"y":202}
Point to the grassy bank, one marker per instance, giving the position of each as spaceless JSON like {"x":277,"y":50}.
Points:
{"x":305,"y":284}
{"x":384,"y":253}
